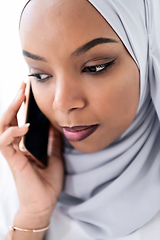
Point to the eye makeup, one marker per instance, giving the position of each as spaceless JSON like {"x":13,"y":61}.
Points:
{"x":98,"y":69}
{"x":93,"y":69}
{"x":40,"y":77}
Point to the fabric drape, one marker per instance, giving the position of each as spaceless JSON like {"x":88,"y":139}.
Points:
{"x":114,"y":192}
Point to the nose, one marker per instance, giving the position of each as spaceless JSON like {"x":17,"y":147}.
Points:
{"x":68,"y":96}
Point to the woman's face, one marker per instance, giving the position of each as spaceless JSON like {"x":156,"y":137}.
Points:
{"x":83,"y":78}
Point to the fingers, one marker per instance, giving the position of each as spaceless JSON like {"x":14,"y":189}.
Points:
{"x":54,"y":142}
{"x":9,"y":138}
{"x":9,"y":117}
{"x":11,"y":133}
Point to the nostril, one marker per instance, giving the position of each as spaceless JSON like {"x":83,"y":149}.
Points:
{"x":68,"y":105}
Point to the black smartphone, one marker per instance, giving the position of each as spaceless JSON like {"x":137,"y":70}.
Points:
{"x":35,"y":143}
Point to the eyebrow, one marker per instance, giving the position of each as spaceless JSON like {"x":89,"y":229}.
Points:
{"x":78,"y":51}
{"x":33,"y":56}
{"x":91,"y":44}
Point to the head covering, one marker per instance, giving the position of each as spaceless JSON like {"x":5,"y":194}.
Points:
{"x":114,"y":192}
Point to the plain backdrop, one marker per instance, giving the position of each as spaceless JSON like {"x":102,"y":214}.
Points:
{"x":12,"y":66}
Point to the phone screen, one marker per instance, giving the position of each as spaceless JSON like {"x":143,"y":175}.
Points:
{"x":36,"y":139}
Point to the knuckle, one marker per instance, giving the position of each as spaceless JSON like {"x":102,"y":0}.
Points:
{"x":1,"y":143}
{"x":1,"y":123}
{"x":12,"y":131}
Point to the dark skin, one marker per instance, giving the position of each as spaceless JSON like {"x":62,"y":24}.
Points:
{"x":73,"y":95}
{"x":69,"y":94}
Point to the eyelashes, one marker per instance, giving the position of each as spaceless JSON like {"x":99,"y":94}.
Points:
{"x":92,"y":70}
{"x":97,"y":69}
{"x":40,"y":77}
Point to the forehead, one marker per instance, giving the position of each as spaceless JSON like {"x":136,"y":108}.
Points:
{"x":62,"y":21}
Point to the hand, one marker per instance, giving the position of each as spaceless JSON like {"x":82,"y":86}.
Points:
{"x":37,"y":189}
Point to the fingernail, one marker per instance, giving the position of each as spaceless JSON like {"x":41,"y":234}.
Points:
{"x":25,"y":125}
{"x":21,"y":85}
{"x":20,"y":92}
{"x":25,"y":79}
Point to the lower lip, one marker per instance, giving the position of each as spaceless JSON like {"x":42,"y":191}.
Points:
{"x":79,"y":135}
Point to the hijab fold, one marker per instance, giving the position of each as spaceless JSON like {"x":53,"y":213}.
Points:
{"x":114,"y":192}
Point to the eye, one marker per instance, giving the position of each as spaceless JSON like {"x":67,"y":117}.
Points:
{"x":40,"y":77}
{"x":98,"y":68}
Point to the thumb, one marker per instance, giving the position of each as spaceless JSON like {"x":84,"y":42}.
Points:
{"x":54,"y":142}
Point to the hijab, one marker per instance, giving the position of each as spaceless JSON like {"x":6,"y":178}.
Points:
{"x":115,"y":191}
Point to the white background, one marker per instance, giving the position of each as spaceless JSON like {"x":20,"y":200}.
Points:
{"x":12,"y":66}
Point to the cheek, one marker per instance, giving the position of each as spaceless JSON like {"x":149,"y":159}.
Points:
{"x":118,"y":101}
{"x":44,"y":97}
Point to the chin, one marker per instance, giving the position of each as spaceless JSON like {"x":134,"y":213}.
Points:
{"x":81,"y":146}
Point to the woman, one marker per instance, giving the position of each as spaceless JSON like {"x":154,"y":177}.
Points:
{"x":94,"y":71}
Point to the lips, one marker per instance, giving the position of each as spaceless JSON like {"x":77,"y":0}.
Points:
{"x":79,"y":133}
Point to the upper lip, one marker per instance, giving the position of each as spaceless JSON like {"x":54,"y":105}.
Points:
{"x":78,"y":128}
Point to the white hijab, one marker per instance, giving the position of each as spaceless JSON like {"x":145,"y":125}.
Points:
{"x":114,"y":192}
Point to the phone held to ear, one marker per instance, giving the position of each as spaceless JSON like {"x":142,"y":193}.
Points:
{"x":35,"y":143}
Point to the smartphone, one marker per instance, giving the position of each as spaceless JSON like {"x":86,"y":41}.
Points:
{"x":35,"y":143}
